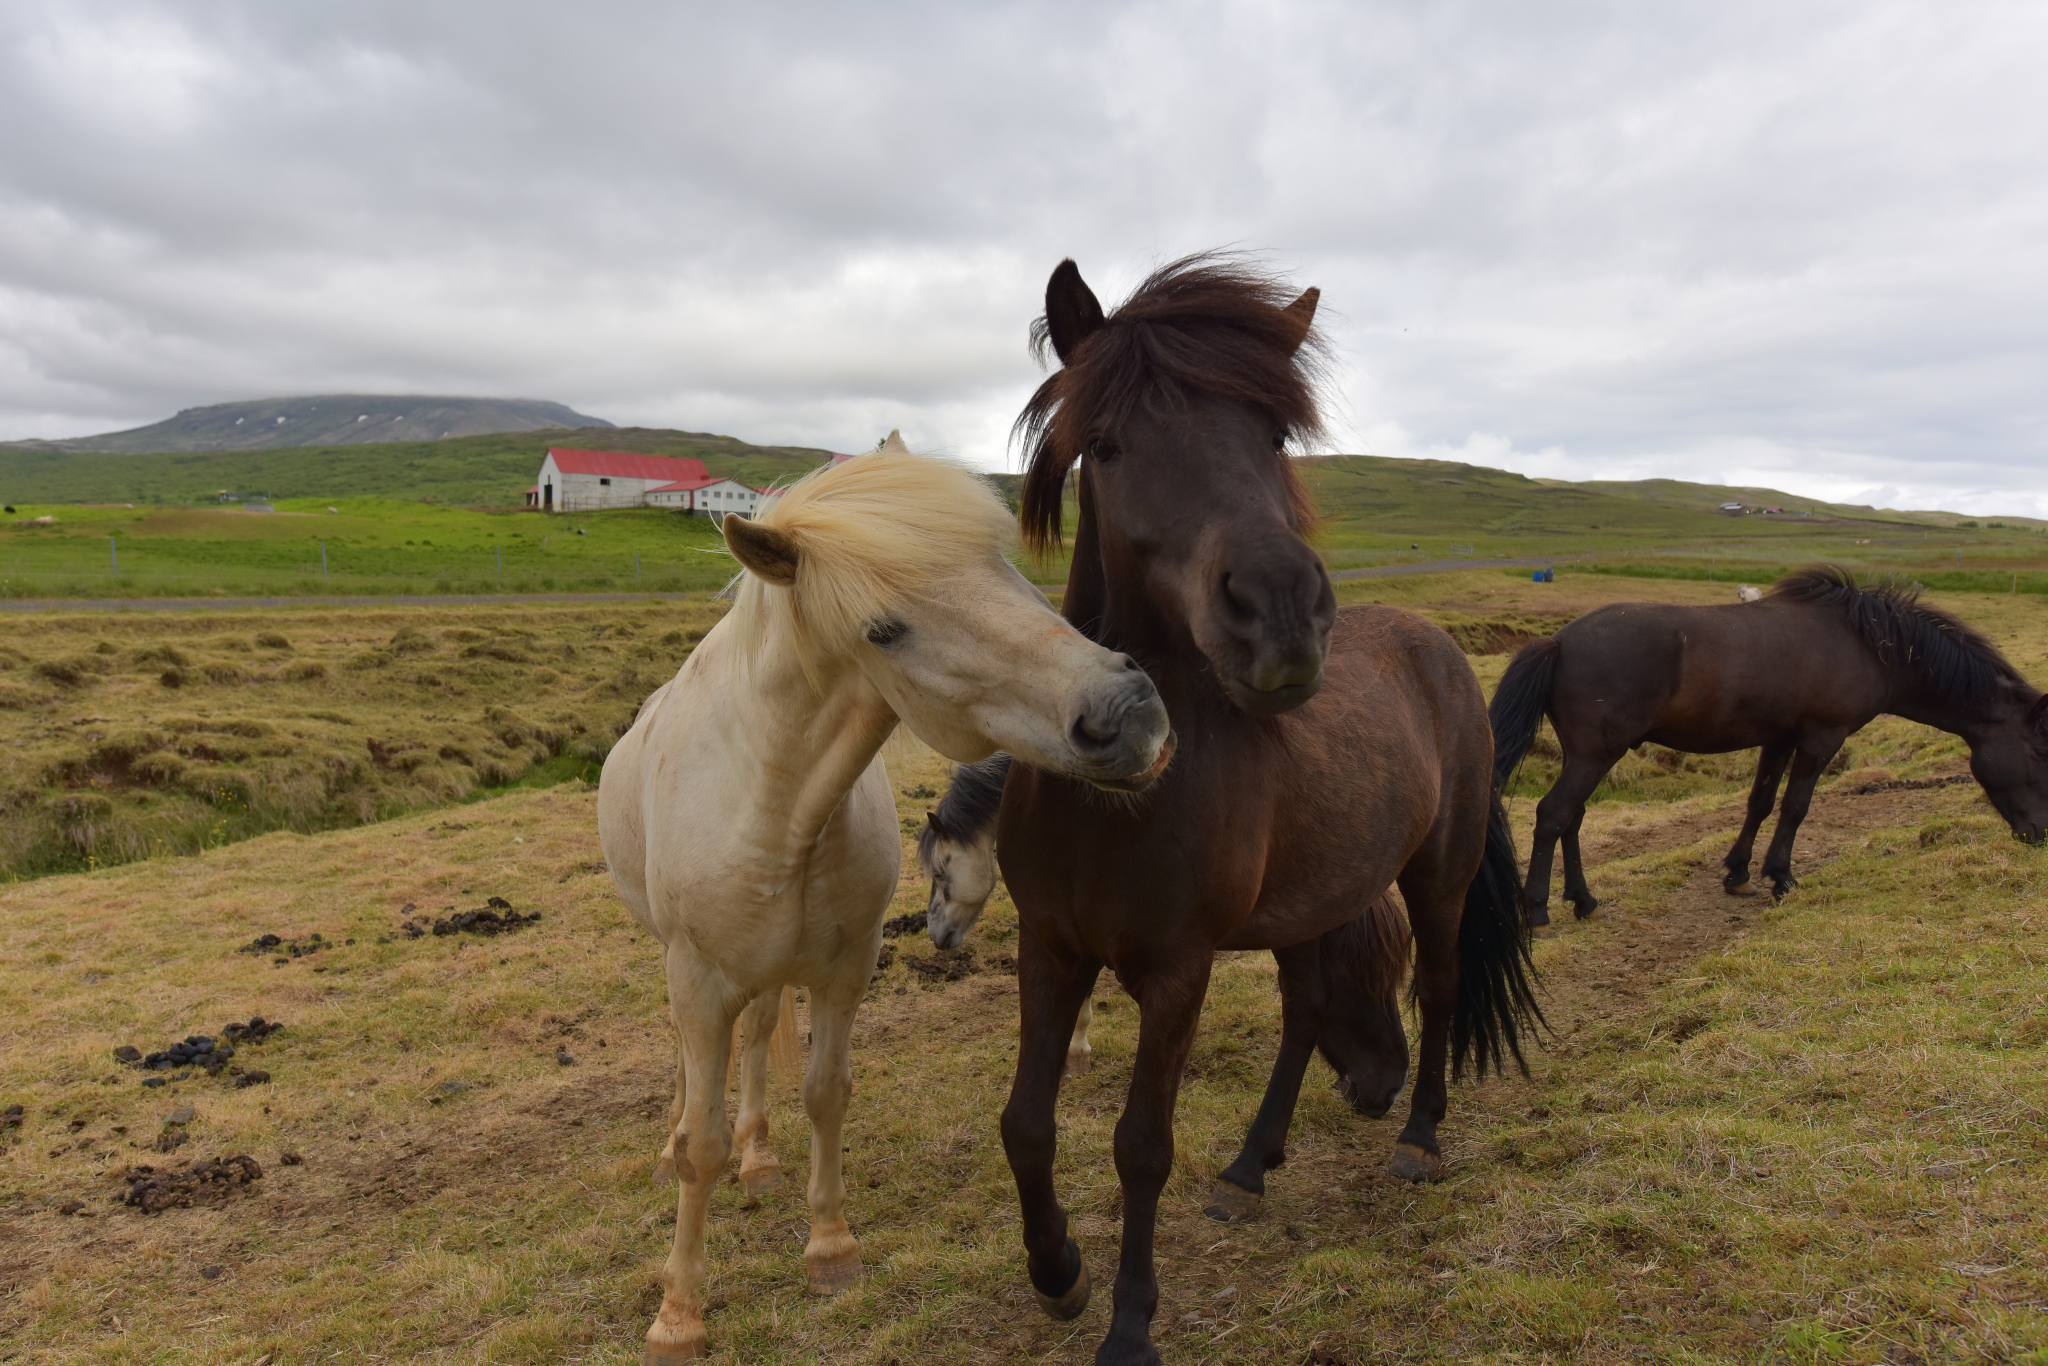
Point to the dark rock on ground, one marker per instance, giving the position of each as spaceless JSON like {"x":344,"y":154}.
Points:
{"x":290,"y":1158}
{"x":127,"y":1052}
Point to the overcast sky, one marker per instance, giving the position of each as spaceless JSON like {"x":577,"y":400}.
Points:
{"x":1796,"y":244}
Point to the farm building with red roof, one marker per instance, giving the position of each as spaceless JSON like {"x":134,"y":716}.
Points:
{"x":574,"y":480}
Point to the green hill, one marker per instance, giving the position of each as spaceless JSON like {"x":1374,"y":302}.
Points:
{"x":492,"y":470}
{"x":329,"y":420}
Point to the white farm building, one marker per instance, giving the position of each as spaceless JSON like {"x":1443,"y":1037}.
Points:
{"x":573,"y":480}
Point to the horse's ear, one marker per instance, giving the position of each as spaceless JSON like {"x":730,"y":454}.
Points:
{"x":1072,"y":312}
{"x":768,"y":552}
{"x":1301,"y":315}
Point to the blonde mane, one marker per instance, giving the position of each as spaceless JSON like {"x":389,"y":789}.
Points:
{"x":871,"y":532}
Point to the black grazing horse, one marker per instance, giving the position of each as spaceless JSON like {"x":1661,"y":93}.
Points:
{"x":1795,"y":674}
{"x":1323,"y":755}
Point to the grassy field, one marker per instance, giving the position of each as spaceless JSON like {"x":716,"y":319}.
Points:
{"x":490,"y":471}
{"x":1814,"y":1131}
{"x":352,"y":546}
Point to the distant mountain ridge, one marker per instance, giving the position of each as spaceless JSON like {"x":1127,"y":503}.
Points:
{"x":326,"y":420}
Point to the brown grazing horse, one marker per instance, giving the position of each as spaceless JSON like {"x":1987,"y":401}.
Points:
{"x":1795,"y":674}
{"x":1323,"y":755}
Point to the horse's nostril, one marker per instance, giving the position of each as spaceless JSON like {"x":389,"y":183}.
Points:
{"x":1092,"y":734}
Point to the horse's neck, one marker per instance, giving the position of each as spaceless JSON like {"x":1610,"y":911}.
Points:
{"x":806,"y":745}
{"x":1916,"y":701}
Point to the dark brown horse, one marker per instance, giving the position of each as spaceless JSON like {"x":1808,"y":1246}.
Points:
{"x":1795,"y":674}
{"x":1323,"y":755}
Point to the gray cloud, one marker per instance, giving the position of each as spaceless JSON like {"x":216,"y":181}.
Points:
{"x":1800,"y":245}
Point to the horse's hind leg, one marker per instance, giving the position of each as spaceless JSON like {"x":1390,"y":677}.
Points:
{"x":1584,"y":903}
{"x":665,"y":1165}
{"x":1770,"y":766}
{"x":1303,"y":995}
{"x":759,"y":1171}
{"x":1557,"y":818}
{"x":832,"y":1255}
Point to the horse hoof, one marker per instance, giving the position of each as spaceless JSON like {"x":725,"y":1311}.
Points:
{"x":1742,"y":888}
{"x":1232,"y":1204}
{"x":674,"y":1339}
{"x":672,"y":1356}
{"x":1781,"y":890}
{"x":664,"y":1171}
{"x":1584,"y":909}
{"x":1537,"y":916}
{"x":1078,"y":1064}
{"x":1411,"y":1163}
{"x":759,"y":1181}
{"x":832,"y":1274}
{"x":1069,"y":1305}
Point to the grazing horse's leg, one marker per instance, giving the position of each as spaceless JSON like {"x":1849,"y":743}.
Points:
{"x":1050,"y":990}
{"x":1303,"y":996}
{"x":1080,"y":1057}
{"x":1169,"y":1008}
{"x":1560,"y":811}
{"x":1770,"y":766}
{"x":832,"y":1255}
{"x":702,"y":1145}
{"x":759,"y":1171}
{"x":1807,"y":765}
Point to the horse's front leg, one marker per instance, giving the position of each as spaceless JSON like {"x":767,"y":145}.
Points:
{"x":1169,"y":1007}
{"x":704,"y":1020}
{"x":1435,"y":912}
{"x":1770,"y":767}
{"x":1303,"y":996}
{"x":1051,"y":989}
{"x":832,"y":1255}
{"x":759,"y":1171}
{"x":665,"y":1165}
{"x":1806,"y":771}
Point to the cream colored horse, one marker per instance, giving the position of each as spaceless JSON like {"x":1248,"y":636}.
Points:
{"x":748,"y":821}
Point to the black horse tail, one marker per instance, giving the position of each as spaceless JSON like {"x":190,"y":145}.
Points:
{"x":1518,"y":706}
{"x":1496,"y":997}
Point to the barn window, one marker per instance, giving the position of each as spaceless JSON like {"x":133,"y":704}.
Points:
{"x":605,"y":482}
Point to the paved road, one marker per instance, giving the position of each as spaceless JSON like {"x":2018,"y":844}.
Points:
{"x":511,"y":599}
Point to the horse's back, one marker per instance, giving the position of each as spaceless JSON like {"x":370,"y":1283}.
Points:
{"x":1705,"y":679}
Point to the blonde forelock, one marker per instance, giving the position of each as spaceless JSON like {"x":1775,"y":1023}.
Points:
{"x":870,"y":532}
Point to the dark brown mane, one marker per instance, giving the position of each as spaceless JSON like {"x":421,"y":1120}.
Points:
{"x":1951,"y":657}
{"x":1205,"y":324}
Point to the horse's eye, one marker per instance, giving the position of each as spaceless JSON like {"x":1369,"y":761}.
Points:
{"x":1102,"y":448}
{"x":886,"y":633}
{"x":1280,"y":441}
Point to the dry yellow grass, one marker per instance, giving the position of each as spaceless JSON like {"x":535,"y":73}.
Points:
{"x":1816,"y":1131}
{"x":154,"y":734}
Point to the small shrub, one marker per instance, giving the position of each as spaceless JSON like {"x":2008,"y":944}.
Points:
{"x":305,"y":671}
{"x":271,"y":640}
